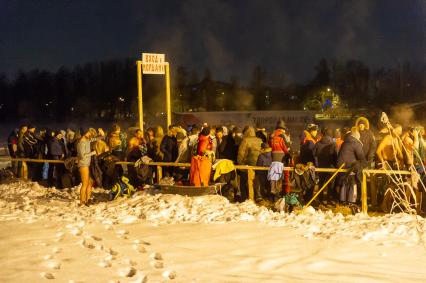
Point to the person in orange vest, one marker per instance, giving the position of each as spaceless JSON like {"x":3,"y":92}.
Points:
{"x":308,"y":144}
{"x":338,"y":138}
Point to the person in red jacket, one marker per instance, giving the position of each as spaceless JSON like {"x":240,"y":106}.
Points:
{"x":204,"y":142}
{"x":280,"y":144}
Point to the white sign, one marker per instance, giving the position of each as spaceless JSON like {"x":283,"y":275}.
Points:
{"x":153,"y":63}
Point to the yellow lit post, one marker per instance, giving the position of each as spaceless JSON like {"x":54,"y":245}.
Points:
{"x":139,"y":66}
{"x":159,"y":173}
{"x":168,"y":104}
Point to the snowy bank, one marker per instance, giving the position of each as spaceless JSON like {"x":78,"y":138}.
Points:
{"x":28,"y":201}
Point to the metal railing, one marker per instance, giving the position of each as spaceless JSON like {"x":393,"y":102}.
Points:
{"x":250,"y":169}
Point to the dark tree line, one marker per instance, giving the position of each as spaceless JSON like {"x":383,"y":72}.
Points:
{"x":108,"y":90}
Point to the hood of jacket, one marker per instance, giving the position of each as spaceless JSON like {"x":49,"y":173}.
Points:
{"x":363,"y":119}
{"x":278,"y":132}
{"x":250,"y":132}
{"x":351,"y":139}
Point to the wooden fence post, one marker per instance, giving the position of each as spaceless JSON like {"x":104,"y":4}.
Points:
{"x":24,"y":170}
{"x":364,"y":193}
{"x":159,"y":173}
{"x":250,"y":181}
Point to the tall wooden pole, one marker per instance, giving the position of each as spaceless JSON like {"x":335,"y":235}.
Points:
{"x":140,"y":105}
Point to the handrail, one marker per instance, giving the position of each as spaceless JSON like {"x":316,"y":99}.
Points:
{"x":240,"y":167}
{"x":31,"y":160}
{"x":159,"y":165}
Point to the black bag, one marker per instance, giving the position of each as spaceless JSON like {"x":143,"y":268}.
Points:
{"x":96,"y":171}
{"x":144,"y":173}
{"x":111,"y":172}
{"x":67,"y":180}
{"x":303,"y":178}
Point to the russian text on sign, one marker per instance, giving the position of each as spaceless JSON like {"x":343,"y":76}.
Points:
{"x":153,"y":63}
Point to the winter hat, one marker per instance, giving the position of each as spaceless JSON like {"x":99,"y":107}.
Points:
{"x":312,"y":127}
{"x":280,"y":125}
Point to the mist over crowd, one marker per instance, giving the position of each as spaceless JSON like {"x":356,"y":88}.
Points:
{"x":108,"y":91}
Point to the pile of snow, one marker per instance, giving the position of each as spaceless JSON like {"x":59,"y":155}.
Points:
{"x":28,"y":201}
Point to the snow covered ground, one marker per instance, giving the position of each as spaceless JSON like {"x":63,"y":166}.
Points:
{"x":44,"y":234}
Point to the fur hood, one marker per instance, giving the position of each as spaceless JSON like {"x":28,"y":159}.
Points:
{"x":363,"y":119}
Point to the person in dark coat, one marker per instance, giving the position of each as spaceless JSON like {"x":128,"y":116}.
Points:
{"x":56,"y":151}
{"x":169,"y":148}
{"x":31,"y":151}
{"x":262,"y":134}
{"x":369,"y":146}
{"x":226,"y":148}
{"x":262,"y":187}
{"x":29,"y":142}
{"x":238,"y":137}
{"x":219,"y":142}
{"x":325,"y":152}
{"x":367,"y":138}
{"x":351,"y":155}
{"x":351,"y":150}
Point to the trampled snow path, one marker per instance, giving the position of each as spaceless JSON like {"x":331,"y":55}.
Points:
{"x":66,"y":237}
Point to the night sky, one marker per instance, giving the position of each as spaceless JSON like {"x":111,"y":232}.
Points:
{"x":287,"y":38}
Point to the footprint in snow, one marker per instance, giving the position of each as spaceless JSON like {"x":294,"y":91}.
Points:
{"x":47,"y":275}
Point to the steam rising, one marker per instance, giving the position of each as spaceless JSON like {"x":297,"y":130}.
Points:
{"x":403,"y":114}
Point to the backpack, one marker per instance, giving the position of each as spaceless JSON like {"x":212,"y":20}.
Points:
{"x":96,"y":171}
{"x":110,"y":171}
{"x":303,"y":178}
{"x":121,"y":188}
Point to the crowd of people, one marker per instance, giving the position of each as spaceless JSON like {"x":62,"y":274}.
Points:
{"x":355,"y":148}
